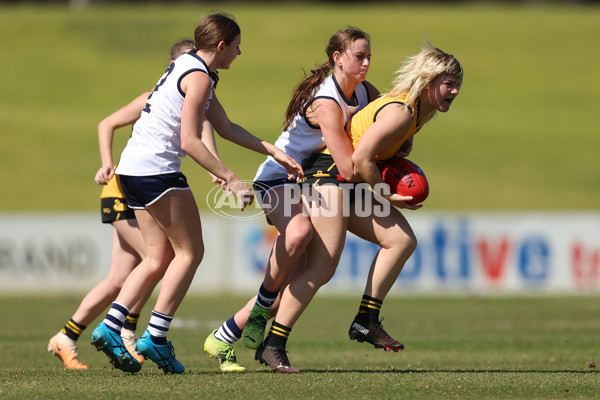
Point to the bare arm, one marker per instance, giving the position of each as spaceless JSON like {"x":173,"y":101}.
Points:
{"x":326,"y":114}
{"x":197,"y":88}
{"x":392,"y":122}
{"x":235,"y":133}
{"x":124,"y":116}
{"x":208,"y":138}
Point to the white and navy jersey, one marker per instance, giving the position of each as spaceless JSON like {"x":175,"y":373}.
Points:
{"x":302,"y":139}
{"x":155,"y":144}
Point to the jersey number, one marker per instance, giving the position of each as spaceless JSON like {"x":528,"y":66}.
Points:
{"x":159,"y":84}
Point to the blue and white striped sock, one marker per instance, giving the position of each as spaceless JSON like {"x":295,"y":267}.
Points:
{"x":159,"y":326}
{"x":265,"y":298}
{"x":229,"y":332}
{"x":115,"y":318}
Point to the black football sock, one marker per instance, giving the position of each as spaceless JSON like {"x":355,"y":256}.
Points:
{"x":369,"y":309}
{"x":278,"y":334}
{"x":73,"y":330}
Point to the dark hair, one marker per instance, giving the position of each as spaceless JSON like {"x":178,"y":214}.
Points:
{"x":213,"y":29}
{"x":183,"y":46}
{"x":340,"y":41}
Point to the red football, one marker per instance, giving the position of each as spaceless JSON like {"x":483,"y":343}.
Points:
{"x":405,"y":178}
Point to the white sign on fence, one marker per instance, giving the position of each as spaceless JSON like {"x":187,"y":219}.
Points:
{"x":479,"y":253}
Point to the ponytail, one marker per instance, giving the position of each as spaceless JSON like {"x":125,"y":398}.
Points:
{"x":304,"y":91}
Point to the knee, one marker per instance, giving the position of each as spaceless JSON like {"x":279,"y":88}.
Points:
{"x":322,"y":272}
{"x":197,"y":254}
{"x":322,"y":278}
{"x":158,"y":264}
{"x":402,"y":243}
{"x":192,"y":255}
{"x":298,"y":235}
{"x":409,"y":244}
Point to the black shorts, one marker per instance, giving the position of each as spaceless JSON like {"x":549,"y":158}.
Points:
{"x":143,"y":191}
{"x":115,"y":209}
{"x":320,"y":169}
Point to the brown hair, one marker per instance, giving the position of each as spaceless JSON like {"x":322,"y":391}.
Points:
{"x":183,"y":46}
{"x":213,"y":29}
{"x":340,"y":41}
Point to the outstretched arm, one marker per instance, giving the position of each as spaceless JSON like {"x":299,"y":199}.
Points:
{"x":197,"y":89}
{"x":207,"y":136}
{"x":235,"y":133}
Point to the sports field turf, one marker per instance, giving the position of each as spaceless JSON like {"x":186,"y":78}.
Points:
{"x":456,"y":347}
{"x":523,"y":135}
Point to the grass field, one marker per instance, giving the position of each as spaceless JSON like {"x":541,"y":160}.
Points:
{"x":456,"y":347}
{"x":523,"y":132}
{"x":522,"y":135}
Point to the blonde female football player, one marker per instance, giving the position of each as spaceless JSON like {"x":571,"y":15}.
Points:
{"x":168,"y":129}
{"x":322,"y":103}
{"x":428,"y":83}
{"x":127,"y":242}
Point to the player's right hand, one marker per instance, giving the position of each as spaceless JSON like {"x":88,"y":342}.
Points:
{"x":400,"y":201}
{"x":242,"y":191}
{"x":218,"y":181}
{"x":104,"y":175}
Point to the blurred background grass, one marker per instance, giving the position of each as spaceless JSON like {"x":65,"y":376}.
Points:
{"x":522,"y":135}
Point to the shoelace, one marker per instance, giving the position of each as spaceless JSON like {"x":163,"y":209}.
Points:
{"x":171,"y":349}
{"x":227,"y":355}
{"x":258,"y":318}
{"x":380,"y":326}
{"x":281,"y":354}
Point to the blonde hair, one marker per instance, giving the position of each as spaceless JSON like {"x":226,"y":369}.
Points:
{"x":420,"y":70}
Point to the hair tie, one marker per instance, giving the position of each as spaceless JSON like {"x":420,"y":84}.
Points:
{"x":215,"y":77}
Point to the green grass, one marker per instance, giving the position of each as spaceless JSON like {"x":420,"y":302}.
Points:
{"x":522,"y":134}
{"x":456,"y":347}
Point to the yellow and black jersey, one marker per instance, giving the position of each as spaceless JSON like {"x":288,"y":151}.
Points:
{"x":362,"y":120}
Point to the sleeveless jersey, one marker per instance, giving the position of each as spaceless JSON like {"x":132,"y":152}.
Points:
{"x":302,"y":139}
{"x":367,"y":116}
{"x":155,"y":144}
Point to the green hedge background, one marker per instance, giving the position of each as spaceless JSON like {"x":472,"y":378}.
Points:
{"x":522,"y":135}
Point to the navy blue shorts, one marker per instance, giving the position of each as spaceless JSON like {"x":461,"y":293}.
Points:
{"x":261,"y":188}
{"x":143,"y":191}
